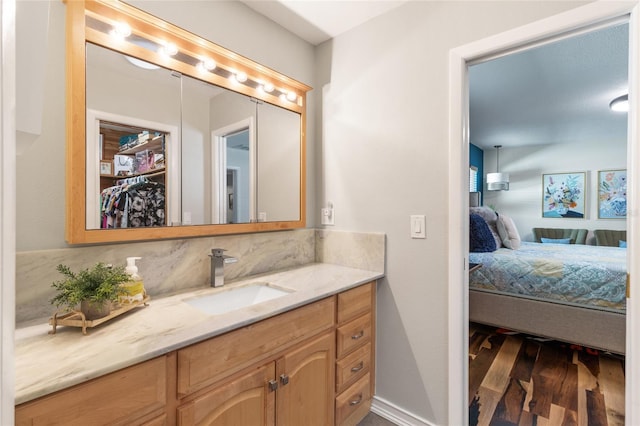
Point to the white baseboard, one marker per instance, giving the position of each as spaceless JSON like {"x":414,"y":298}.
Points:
{"x":395,"y":414}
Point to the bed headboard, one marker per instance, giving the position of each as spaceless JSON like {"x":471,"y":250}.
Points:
{"x":578,"y":236}
{"x":609,"y":237}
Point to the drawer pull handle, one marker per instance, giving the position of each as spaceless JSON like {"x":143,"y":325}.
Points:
{"x":273,"y":385}
{"x":357,"y":336}
{"x":358,"y":367}
{"x":284,"y":379}
{"x":356,"y":401}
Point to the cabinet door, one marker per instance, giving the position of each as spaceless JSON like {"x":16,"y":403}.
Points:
{"x":306,"y":377}
{"x":245,"y":400}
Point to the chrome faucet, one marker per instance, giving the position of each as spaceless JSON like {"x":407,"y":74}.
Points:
{"x":218,"y":259}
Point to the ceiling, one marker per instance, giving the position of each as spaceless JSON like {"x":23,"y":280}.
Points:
{"x":555,"y":93}
{"x":317,"y":21}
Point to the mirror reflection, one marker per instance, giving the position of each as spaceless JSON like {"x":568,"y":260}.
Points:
{"x":165,"y":149}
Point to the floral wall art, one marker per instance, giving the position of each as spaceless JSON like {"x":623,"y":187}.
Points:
{"x":612,"y":194}
{"x":563,"y":195}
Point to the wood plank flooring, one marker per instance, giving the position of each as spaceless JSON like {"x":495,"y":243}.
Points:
{"x":515,"y":379}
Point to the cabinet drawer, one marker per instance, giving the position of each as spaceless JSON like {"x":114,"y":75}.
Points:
{"x":118,"y":398}
{"x":353,"y":334}
{"x":354,"y":302}
{"x":354,"y":403}
{"x":352,"y":367}
{"x":205,"y":363}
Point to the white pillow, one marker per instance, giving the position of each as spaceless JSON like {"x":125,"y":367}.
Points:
{"x":508,"y":232}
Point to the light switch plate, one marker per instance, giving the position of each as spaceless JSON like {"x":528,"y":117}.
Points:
{"x":418,"y":226}
{"x":326,"y":216}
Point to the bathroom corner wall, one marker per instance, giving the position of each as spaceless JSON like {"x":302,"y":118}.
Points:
{"x":353,"y":249}
{"x":167,"y":266}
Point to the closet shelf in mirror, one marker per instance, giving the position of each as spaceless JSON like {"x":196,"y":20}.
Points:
{"x":149,"y":173}
{"x":153,"y":145}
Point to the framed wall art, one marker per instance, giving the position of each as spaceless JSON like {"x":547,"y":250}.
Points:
{"x":106,"y":168}
{"x":612,"y":194}
{"x":563,"y":195}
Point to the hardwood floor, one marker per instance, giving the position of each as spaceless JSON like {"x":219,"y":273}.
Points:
{"x":517,"y":380}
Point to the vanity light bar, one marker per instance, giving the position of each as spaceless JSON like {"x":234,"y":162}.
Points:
{"x":202,"y":65}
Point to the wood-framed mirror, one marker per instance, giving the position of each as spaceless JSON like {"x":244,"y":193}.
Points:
{"x":170,"y":135}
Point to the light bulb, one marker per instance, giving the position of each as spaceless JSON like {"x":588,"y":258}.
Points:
{"x":120,"y":30}
{"x":209,"y":64}
{"x":292,"y":96}
{"x":206,"y":65}
{"x":241,"y":76}
{"x":268,"y":87}
{"x":169,"y":49}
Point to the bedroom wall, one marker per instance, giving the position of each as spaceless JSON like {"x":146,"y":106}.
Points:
{"x":523,"y":201}
{"x":383,"y":156}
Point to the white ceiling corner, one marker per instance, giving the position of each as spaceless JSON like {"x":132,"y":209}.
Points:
{"x":317,"y":21}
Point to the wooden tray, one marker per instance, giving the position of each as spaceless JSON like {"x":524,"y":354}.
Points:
{"x":77,"y":318}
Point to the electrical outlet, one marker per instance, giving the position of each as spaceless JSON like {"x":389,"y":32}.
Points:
{"x":327,"y":216}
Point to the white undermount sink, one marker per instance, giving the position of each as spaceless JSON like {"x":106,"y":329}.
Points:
{"x":227,"y":300}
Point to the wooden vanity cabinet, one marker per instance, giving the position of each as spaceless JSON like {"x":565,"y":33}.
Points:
{"x":136,"y":395}
{"x":313,"y":365}
{"x":355,"y":355}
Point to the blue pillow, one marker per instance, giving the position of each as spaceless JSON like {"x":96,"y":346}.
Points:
{"x":622,"y":244}
{"x":555,"y":240}
{"x":480,"y":237}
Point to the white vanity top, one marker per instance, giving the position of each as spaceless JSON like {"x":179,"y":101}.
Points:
{"x":46,"y":363}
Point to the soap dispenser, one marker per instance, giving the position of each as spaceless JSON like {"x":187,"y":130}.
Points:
{"x":135,"y":288}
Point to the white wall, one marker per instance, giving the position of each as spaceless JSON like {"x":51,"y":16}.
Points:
{"x":383,"y":157}
{"x":523,"y":201}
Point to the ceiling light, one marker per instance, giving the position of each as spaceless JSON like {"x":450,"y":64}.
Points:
{"x":141,"y":64}
{"x":620,"y":104}
{"x":497,"y":181}
{"x":120,"y":30}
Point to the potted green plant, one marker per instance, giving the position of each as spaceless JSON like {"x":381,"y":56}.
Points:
{"x":94,"y":289}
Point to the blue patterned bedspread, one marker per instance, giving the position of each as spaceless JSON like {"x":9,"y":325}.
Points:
{"x":567,"y":273}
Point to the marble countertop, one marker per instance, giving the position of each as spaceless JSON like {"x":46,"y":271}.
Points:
{"x":46,"y":363}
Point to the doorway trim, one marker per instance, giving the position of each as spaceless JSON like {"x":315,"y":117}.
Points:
{"x":219,"y":169}
{"x":569,"y":22}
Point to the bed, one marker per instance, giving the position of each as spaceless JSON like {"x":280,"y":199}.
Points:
{"x":568,"y":292}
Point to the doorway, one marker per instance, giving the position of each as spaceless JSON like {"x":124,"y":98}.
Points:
{"x":571,"y":22}
{"x":234,"y":173}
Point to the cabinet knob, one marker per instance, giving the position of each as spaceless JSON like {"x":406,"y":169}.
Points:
{"x":357,"y":336}
{"x":356,"y":401}
{"x":284,"y":379}
{"x":273,"y":385}
{"x":358,"y":367}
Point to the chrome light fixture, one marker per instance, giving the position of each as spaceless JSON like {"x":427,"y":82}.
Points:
{"x":497,"y":181}
{"x":620,"y":104}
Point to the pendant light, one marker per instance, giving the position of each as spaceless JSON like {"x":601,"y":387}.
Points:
{"x":497,"y":181}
